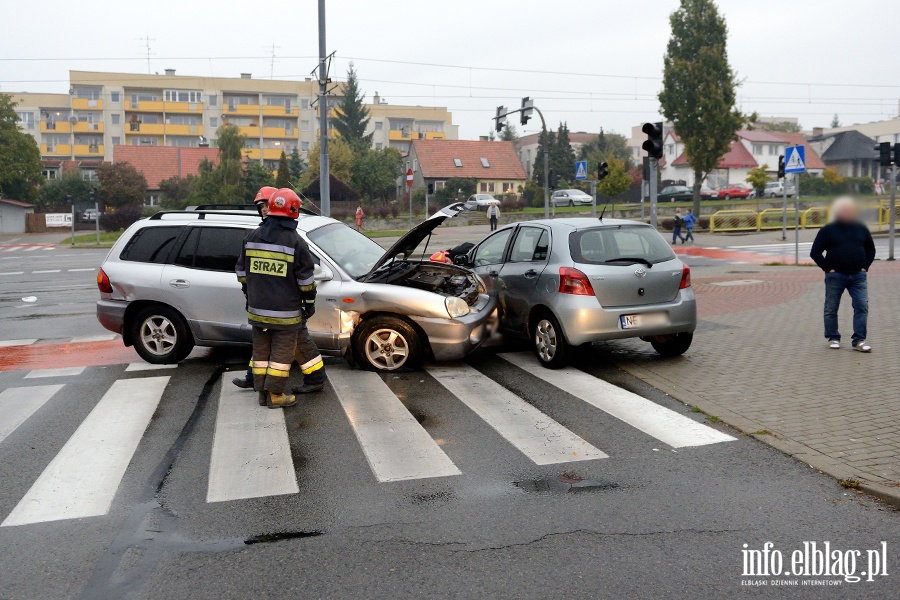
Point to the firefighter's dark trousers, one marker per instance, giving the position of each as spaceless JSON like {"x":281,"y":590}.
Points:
{"x":273,"y":352}
{"x":308,"y":357}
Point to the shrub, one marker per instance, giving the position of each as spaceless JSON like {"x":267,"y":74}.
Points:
{"x":120,"y":218}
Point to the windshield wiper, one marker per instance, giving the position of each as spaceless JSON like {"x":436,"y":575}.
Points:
{"x":631,"y":259}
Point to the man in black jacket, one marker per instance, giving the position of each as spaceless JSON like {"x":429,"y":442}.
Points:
{"x":844,"y":249}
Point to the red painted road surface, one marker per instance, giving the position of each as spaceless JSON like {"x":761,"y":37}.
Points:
{"x":54,"y":356}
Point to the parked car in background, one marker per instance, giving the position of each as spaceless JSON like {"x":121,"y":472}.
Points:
{"x":675,"y":193}
{"x":480,"y":201}
{"x":90,"y":215}
{"x":565,"y":283}
{"x":737,"y":190}
{"x":168,"y":284}
{"x":571,"y":198}
{"x":708,"y":193}
{"x":775,"y":189}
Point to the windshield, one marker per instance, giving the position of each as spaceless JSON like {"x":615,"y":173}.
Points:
{"x":618,"y":245}
{"x":352,"y":251}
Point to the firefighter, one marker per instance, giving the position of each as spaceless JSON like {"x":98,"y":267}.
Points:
{"x":277,"y":267}
{"x":262,"y":207}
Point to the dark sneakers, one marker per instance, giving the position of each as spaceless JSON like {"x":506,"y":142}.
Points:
{"x":308,"y":388}
{"x":243,"y":383}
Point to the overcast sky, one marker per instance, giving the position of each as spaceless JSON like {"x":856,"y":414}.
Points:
{"x":493,"y":52}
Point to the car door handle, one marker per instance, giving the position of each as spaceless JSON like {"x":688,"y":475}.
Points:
{"x":180,"y":283}
{"x":530,"y":273}
{"x":493,"y":273}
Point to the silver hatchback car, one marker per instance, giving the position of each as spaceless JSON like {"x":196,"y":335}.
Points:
{"x":168,"y":284}
{"x":568,"y":282}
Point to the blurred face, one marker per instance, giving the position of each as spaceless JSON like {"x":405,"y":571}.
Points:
{"x":845,"y":211}
{"x":264,"y":209}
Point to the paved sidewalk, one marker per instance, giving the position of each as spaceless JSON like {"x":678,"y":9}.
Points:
{"x":760,"y":363}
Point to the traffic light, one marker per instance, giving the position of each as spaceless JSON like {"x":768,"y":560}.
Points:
{"x":527,"y":110}
{"x":897,"y":154}
{"x":554,"y":180}
{"x":93,"y":194}
{"x":68,"y":198}
{"x":884,"y":154}
{"x":654,"y":144}
{"x":500,"y":119}
{"x":430,"y":188}
{"x":602,"y":171}
{"x":781,"y":167}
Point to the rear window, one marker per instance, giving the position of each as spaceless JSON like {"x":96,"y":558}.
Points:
{"x":607,"y":244}
{"x":150,"y":244}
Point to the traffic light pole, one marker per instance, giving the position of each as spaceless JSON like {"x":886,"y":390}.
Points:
{"x":546,"y":152}
{"x":784,"y":209}
{"x":593,"y":197}
{"x":893,"y":206}
{"x":654,"y":165}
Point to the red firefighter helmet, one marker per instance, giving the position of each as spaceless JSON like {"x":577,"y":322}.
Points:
{"x":263,"y":195}
{"x":284,"y":203}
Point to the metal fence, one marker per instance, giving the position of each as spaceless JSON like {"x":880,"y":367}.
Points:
{"x":876,"y":215}
{"x":773,"y":218}
{"x":733,"y":220}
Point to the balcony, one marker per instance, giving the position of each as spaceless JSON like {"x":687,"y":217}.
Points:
{"x":86,"y":104}
{"x":265,"y":110}
{"x":251,"y":131}
{"x":264,"y":153}
{"x":178,"y":129}
{"x":400,"y":135}
{"x":88,"y":150}
{"x":162,"y":129}
{"x":159,"y":106}
{"x":56,"y":127}
{"x":85,"y":127}
{"x":56,"y":150}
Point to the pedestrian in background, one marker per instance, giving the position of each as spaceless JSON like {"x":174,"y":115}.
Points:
{"x":493,"y":214}
{"x":359,"y":217}
{"x":676,"y":229}
{"x":689,"y":221}
{"x":844,"y":249}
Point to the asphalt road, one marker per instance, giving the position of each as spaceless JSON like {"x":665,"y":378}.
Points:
{"x":171,"y":505}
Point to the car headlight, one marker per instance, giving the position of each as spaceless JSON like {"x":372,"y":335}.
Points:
{"x":456,"y":307}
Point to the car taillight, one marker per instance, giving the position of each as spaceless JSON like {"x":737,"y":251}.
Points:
{"x":103,"y":282}
{"x":573,"y":281}
{"x":685,"y":278}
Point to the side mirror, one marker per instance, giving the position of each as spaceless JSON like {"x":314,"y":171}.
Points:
{"x":321,"y":273}
{"x":462,"y":260}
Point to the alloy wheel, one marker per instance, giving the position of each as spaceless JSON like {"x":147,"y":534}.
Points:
{"x":545,"y":340}
{"x":387,"y":349}
{"x":158,"y":335}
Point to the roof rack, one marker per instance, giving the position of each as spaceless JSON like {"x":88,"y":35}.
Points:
{"x":248,"y":207}
{"x":201,"y":214}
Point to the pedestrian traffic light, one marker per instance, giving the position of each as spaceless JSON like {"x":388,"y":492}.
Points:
{"x":602,"y":171}
{"x":554,"y":180}
{"x":500,"y":119}
{"x":781,"y":167}
{"x":93,"y":194}
{"x":654,"y":144}
{"x":884,"y":154}
{"x":897,"y":154}
{"x":527,"y":110}
{"x":430,"y":188}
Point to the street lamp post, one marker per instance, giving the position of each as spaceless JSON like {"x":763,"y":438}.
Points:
{"x":527,"y":107}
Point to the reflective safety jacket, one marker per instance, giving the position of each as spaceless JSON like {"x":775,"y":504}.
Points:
{"x":278,"y":278}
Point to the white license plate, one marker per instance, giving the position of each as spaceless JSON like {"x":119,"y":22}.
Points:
{"x":656,"y":319}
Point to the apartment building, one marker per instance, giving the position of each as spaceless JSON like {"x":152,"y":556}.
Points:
{"x":103,"y":110}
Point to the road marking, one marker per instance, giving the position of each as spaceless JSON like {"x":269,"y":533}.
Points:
{"x":48,"y":271}
{"x":665,"y":425}
{"x":32,"y":249}
{"x":142,"y":366}
{"x":251,"y":453}
{"x":395,"y":444}
{"x":17,"y":404}
{"x":82,"y":479}
{"x":536,"y":435}
{"x":14,"y":248}
{"x":63,"y":372}
{"x":8,"y":343}
{"x":81,"y":270}
{"x":736,"y":282}
{"x":13,"y":273}
{"x":50,"y":248}
{"x":94,"y":338}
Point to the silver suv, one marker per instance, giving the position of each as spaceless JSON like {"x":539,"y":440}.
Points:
{"x":168,"y":284}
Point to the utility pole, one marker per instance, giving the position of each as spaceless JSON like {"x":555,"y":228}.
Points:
{"x":893,"y":206}
{"x":324,"y":167}
{"x":526,"y":109}
{"x":784,"y":193}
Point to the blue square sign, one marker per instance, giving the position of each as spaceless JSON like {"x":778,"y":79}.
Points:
{"x":795,"y":159}
{"x":581,"y":170}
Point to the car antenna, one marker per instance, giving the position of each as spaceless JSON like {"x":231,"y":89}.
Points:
{"x":603,"y":212}
{"x":306,"y":200}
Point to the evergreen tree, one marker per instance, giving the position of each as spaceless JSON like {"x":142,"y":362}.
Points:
{"x":509,"y":134}
{"x":562,"y":157}
{"x":353,"y":117}
{"x":835,"y":121}
{"x":537,"y":168}
{"x":699,"y":86}
{"x":283,"y":178}
{"x":296,"y":164}
{"x":228,"y":174}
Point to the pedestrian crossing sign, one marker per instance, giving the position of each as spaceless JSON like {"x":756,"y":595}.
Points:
{"x":795,"y":159}
{"x":581,"y":170}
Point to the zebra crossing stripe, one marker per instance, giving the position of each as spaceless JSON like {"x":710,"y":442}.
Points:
{"x":251,"y":453}
{"x":17,"y":404}
{"x":83,"y":477}
{"x":661,"y":423}
{"x":9,"y":343}
{"x":536,"y":435}
{"x":143,"y":366}
{"x":396,"y":446}
{"x":61,"y":372}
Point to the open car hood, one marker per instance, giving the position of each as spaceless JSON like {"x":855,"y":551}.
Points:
{"x":407,"y":244}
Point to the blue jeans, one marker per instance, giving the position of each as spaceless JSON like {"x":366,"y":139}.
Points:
{"x":690,"y":234}
{"x":858,"y":287}
{"x":676,"y":234}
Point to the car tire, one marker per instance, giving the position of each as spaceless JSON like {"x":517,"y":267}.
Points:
{"x":571,"y":203}
{"x":385,"y":344}
{"x":549,"y":343}
{"x":672,"y":345}
{"x":728,"y":196}
{"x":160,"y":335}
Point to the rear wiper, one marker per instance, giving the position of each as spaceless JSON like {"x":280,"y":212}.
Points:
{"x":630,"y":259}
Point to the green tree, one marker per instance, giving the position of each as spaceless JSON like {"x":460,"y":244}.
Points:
{"x":698,"y":93}
{"x":257,"y":175}
{"x":375,"y":172}
{"x":757,"y":177}
{"x":780,"y":127}
{"x":617,"y":181}
{"x":20,"y":157}
{"x":231,"y":142}
{"x":835,"y":121}
{"x":296,"y":164}
{"x":340,"y":161}
{"x":283,"y":178}
{"x":509,"y":134}
{"x":544,"y":141}
{"x":121,"y":185}
{"x":456,"y":188}
{"x":604,"y":145}
{"x":562,"y":156}
{"x":52,"y":196}
{"x":175,"y":192}
{"x":352,"y":117}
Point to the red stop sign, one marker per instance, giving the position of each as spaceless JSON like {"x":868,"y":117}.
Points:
{"x":409,"y":178}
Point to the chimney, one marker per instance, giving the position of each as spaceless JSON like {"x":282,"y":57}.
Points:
{"x":818,"y":130}
{"x":307,"y":79}
{"x":245,"y":75}
{"x":376,"y":99}
{"x":170,"y":72}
